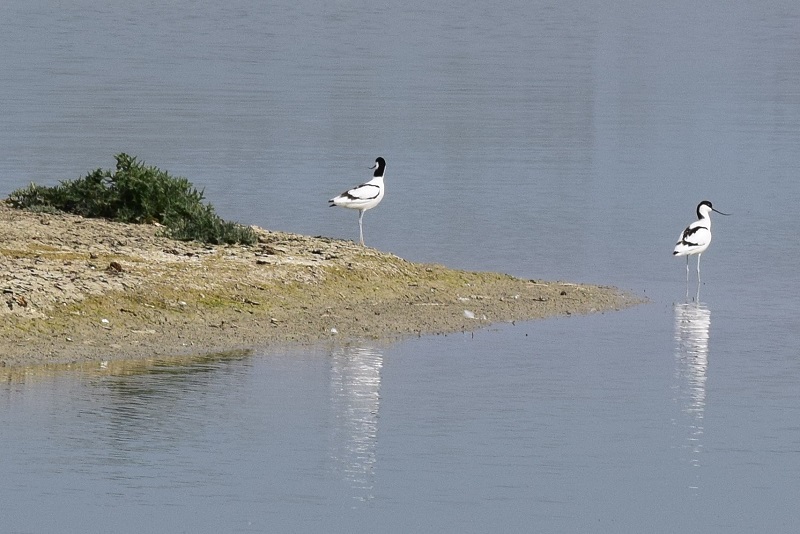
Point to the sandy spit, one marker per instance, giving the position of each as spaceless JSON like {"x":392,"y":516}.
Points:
{"x":80,"y":290}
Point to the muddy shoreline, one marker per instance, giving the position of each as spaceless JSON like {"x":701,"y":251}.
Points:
{"x":78,"y":290}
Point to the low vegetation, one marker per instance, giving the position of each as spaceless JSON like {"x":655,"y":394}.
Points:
{"x":137,"y":193}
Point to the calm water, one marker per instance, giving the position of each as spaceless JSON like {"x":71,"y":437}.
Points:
{"x":557,"y":140}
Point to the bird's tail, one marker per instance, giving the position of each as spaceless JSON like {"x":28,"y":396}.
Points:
{"x":680,"y":249}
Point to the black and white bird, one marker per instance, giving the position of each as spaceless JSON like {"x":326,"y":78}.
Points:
{"x":365,"y":196}
{"x":696,"y":238}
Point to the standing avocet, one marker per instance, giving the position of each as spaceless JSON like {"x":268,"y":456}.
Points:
{"x":365,"y":196}
{"x":696,"y":237}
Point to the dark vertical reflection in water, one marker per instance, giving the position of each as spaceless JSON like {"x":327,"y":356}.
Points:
{"x":692,"y":323}
{"x":355,"y":381}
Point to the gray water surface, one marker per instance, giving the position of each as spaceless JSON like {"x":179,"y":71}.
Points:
{"x":550,"y":140}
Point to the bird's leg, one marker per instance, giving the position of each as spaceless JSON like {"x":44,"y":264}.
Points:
{"x":698,"y":277}
{"x":360,"y":226}
{"x":687,"y":278}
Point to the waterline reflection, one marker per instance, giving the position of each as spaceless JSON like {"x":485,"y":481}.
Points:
{"x":355,"y":382}
{"x":117,"y":368}
{"x":692,"y":324}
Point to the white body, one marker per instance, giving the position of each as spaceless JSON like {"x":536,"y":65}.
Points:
{"x":695,"y":238}
{"x":365,"y":196}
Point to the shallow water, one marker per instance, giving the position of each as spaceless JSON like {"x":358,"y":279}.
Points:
{"x":554,"y":140}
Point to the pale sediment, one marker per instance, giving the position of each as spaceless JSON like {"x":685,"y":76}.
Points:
{"x":78,"y":289}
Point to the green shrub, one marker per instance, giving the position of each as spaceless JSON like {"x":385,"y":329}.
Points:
{"x":137,"y":193}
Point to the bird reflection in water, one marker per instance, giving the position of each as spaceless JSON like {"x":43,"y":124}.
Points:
{"x":355,"y":382}
{"x":692,"y":324}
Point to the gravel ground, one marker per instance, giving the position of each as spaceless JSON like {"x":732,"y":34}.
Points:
{"x":78,"y":290}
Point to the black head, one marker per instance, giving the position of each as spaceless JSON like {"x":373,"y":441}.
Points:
{"x":379,"y":167}
{"x":699,"y":207}
{"x":704,"y":207}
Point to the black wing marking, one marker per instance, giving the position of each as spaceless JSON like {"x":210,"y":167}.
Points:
{"x":362,"y":192}
{"x":688,"y":233}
